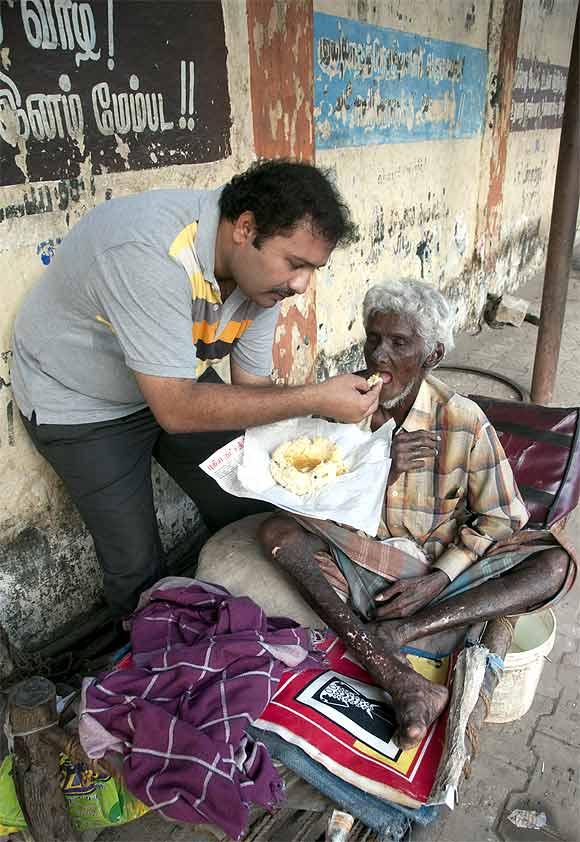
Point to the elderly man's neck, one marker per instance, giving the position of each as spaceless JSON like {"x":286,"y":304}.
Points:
{"x":398,"y":408}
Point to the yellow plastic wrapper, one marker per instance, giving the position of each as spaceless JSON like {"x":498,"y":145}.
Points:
{"x":92,"y":799}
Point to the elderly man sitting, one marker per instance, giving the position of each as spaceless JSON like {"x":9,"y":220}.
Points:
{"x":450,"y":551}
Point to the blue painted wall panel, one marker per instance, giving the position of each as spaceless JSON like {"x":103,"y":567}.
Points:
{"x":374,"y":85}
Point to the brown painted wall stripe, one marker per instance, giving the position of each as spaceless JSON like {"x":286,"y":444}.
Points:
{"x":281,"y":43}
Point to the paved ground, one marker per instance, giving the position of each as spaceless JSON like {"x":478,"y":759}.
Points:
{"x":531,"y":764}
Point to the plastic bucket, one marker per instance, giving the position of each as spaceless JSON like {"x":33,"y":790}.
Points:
{"x":533,"y":640}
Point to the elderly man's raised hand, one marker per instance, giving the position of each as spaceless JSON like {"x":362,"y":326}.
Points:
{"x":347,"y":398}
{"x":411,"y":451}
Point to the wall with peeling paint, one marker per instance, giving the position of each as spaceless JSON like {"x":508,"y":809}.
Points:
{"x":544,"y":46}
{"x":415,"y":201}
{"x":46,"y":556}
{"x":281,"y":43}
{"x":465,"y":210}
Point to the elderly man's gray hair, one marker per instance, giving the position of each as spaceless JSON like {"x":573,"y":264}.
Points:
{"x":426,"y":306}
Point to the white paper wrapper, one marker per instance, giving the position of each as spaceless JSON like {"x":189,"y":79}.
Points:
{"x":242,"y":468}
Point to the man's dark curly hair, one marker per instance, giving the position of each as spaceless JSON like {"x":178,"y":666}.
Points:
{"x":283,"y":194}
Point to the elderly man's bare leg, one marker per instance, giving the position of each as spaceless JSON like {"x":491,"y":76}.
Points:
{"x":533,"y":582}
{"x":416,"y":701}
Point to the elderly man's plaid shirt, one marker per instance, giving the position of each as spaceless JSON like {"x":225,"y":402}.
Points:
{"x":458,"y":505}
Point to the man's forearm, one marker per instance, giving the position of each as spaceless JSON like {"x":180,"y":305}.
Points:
{"x":204,"y":407}
{"x":185,"y":406}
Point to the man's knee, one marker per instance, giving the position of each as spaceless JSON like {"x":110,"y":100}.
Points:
{"x":278,"y":531}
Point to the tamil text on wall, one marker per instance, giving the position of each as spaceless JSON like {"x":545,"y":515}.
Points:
{"x":130,"y":85}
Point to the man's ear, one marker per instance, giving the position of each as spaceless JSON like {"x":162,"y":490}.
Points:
{"x":435,"y":356}
{"x":244,"y":228}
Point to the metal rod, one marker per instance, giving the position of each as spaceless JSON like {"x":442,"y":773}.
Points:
{"x":561,"y":240}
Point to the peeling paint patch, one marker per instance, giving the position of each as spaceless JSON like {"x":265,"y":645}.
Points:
{"x":5,"y":58}
{"x":460,"y":235}
{"x":375,"y":85}
{"x":470,"y":16}
{"x":276,"y":21}
{"x":21,"y":159}
{"x":346,"y":362}
{"x":277,"y":114}
{"x":500,"y":129}
{"x":123,"y":149}
{"x":44,"y":198}
{"x":45,"y":250}
{"x":295,"y":341}
{"x":258,"y":38}
{"x":282,"y":124}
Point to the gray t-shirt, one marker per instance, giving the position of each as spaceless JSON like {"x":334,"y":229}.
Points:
{"x":131,"y":288}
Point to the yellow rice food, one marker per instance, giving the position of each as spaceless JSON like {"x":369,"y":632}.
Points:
{"x":306,"y":465}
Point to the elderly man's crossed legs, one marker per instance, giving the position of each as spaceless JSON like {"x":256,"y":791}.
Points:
{"x":417,"y":701}
{"x":534,"y":581}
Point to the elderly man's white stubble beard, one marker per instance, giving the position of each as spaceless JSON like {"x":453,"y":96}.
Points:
{"x":399,"y":399}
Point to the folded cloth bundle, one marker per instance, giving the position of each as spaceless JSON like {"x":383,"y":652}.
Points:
{"x":205,"y":665}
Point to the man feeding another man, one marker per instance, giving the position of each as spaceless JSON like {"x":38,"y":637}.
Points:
{"x":110,"y":349}
{"x":451,"y":550}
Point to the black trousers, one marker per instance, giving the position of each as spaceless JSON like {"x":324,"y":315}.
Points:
{"x":106,"y":467}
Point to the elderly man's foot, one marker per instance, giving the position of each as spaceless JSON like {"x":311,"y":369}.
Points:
{"x":416,"y":701}
{"x":417,"y":705}
{"x":416,"y":711}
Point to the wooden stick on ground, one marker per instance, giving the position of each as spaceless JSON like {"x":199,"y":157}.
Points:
{"x":497,"y":637}
{"x":31,"y":713}
{"x":70,"y":745}
{"x":6,"y":662}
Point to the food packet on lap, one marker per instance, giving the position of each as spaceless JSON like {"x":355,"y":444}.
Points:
{"x":354,"y":498}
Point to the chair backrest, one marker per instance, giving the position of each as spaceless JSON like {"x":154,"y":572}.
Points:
{"x":542,"y":445}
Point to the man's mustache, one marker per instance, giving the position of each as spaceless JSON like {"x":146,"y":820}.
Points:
{"x":285,"y":293}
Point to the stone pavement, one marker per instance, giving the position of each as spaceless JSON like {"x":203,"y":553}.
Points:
{"x":532,"y":764}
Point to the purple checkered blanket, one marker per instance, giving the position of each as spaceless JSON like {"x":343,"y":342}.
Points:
{"x":205,"y":665}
